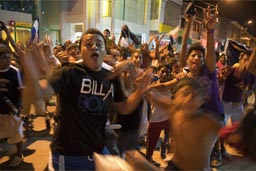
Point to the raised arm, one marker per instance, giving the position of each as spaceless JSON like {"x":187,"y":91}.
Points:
{"x":132,"y":102}
{"x":210,"y":20}
{"x":150,"y":39}
{"x":32,"y":71}
{"x":163,"y":99}
{"x":251,"y":66}
{"x":184,"y":44}
{"x":156,"y":53}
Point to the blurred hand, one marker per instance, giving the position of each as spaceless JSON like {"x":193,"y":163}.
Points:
{"x":143,"y":81}
{"x":209,"y":18}
{"x":124,"y":66}
{"x":226,"y":71}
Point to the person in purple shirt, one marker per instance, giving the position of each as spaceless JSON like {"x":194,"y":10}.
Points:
{"x":200,"y":64}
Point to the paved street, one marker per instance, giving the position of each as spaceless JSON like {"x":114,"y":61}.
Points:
{"x":36,"y":152}
{"x":36,"y":149}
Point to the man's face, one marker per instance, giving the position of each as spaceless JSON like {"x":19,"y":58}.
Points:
{"x":93,"y":51}
{"x":106,"y":34}
{"x":144,"y":47}
{"x":163,"y":74}
{"x":137,"y":59}
{"x":189,"y":98}
{"x":5,"y":60}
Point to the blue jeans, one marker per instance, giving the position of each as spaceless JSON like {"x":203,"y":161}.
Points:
{"x":64,"y":162}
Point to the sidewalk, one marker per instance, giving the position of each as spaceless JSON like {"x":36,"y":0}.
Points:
{"x":36,"y":150}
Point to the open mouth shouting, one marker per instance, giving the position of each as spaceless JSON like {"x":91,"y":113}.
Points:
{"x":95,"y":56}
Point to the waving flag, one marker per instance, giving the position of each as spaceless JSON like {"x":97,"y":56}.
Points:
{"x":233,"y":50}
{"x":34,"y":32}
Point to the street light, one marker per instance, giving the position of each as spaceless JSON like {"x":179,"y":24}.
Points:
{"x":244,"y":30}
{"x":249,"y":21}
{"x":228,"y":1}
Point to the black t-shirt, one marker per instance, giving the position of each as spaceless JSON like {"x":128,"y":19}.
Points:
{"x":10,"y":87}
{"x":132,"y":121}
{"x":235,"y":87}
{"x":84,"y":102}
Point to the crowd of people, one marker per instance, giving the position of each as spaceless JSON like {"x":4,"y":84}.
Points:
{"x":196,"y":100}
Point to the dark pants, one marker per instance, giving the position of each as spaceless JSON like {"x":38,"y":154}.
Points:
{"x":111,"y":141}
{"x":154,"y":131}
{"x":61,"y":162}
{"x":127,"y":140}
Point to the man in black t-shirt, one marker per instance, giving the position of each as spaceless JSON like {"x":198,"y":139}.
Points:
{"x":84,"y":98}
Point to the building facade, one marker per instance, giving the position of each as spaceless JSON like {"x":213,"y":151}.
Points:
{"x":66,"y":20}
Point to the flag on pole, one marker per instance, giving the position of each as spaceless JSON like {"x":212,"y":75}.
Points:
{"x":233,"y":50}
{"x":35,"y":32}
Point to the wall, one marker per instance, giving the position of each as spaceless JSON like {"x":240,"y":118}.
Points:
{"x":6,"y":16}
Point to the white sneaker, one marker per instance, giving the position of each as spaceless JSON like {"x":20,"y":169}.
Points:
{"x":16,"y":161}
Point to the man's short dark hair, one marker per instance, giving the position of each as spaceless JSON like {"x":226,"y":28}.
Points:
{"x":92,"y":31}
{"x":107,"y":30}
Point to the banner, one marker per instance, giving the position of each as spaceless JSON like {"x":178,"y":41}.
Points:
{"x":233,"y":50}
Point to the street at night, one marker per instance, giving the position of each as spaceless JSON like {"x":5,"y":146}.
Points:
{"x":130,"y":85}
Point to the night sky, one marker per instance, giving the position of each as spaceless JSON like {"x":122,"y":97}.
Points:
{"x":237,"y":10}
{"x":241,"y":11}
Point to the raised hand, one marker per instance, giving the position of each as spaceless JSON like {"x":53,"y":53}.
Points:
{"x":124,"y":66}
{"x":210,"y":18}
{"x":143,"y":81}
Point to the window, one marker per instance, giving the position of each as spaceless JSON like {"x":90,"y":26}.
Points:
{"x":106,"y":8}
{"x":25,"y":6}
{"x":172,"y":13}
{"x":154,"y":9}
{"x":130,"y":10}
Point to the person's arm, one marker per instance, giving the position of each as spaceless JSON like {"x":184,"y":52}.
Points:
{"x":223,"y":74}
{"x":162,"y":48}
{"x":119,"y":40}
{"x":163,"y":100}
{"x":184,"y":44}
{"x":156,"y":54}
{"x":131,"y":48}
{"x":31,"y":73}
{"x":166,"y":85}
{"x":210,"y":20}
{"x":150,"y":39}
{"x":133,"y":101}
{"x":251,"y":66}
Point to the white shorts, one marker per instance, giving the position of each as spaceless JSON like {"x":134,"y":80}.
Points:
{"x":11,"y":127}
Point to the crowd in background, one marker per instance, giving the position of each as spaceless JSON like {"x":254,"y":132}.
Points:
{"x":192,"y":95}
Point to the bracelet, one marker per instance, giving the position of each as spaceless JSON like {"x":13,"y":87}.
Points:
{"x":210,"y":31}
